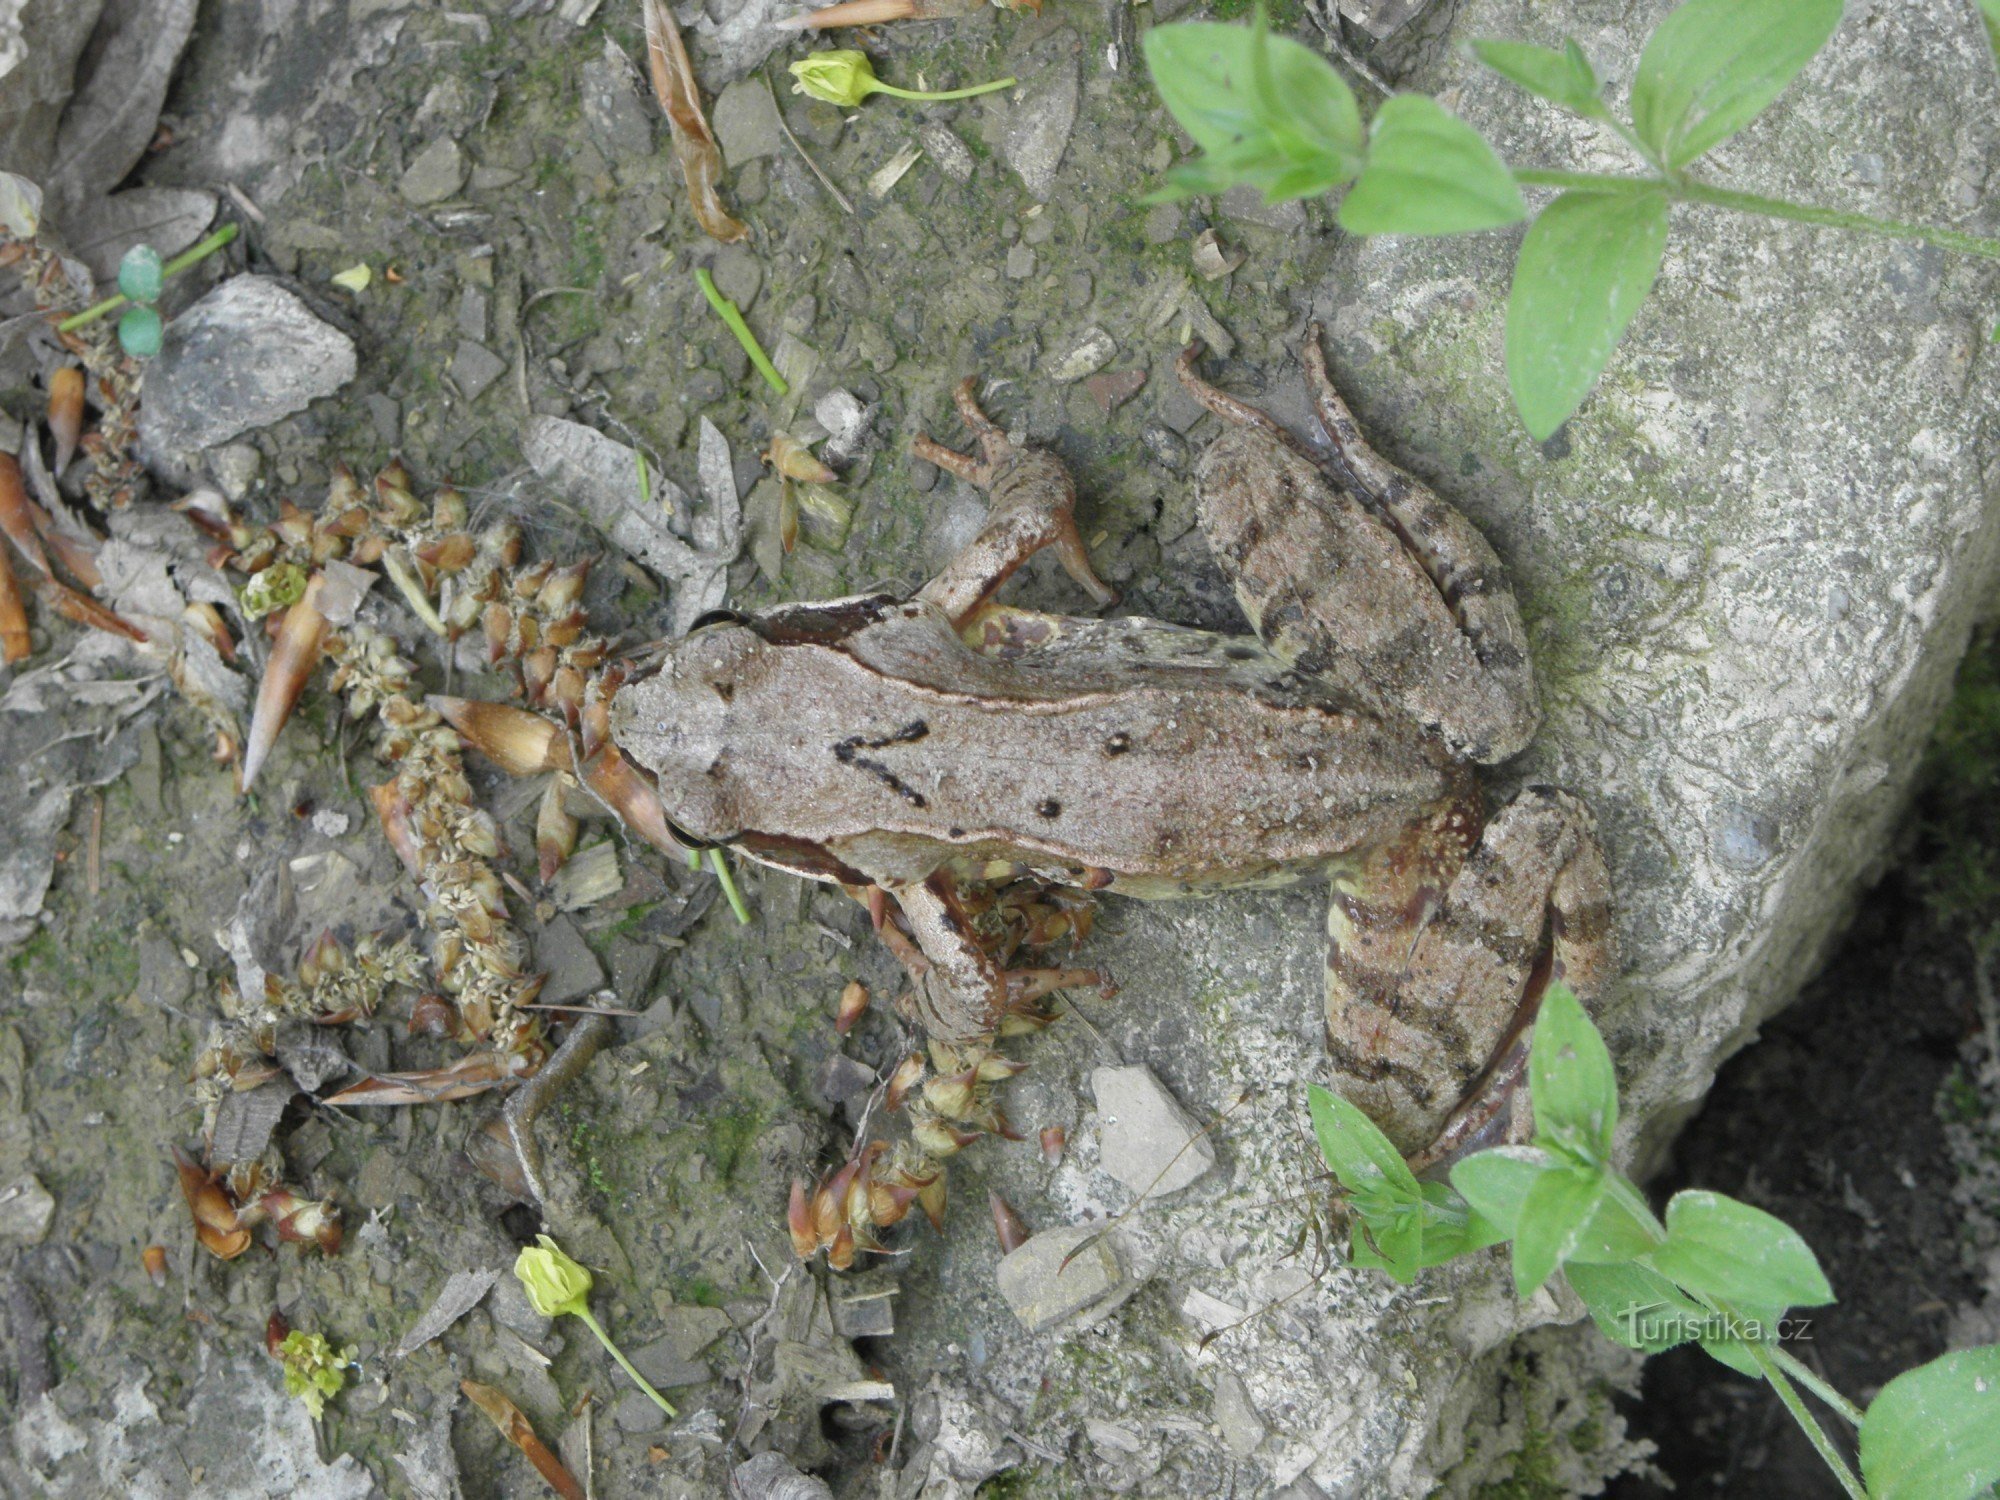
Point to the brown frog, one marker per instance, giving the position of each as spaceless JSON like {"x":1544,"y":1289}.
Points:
{"x":926,"y":745}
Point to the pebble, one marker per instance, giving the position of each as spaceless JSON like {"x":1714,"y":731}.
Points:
{"x":1044,"y":1292}
{"x":244,"y":356}
{"x":1163,"y":224}
{"x":474,"y":368}
{"x":1246,"y":205}
{"x":472,"y":313}
{"x":234,"y":468}
{"x":1039,"y":126}
{"x":1146,"y":1140}
{"x":26,"y":1211}
{"x":608,"y":93}
{"x":437,"y":173}
{"x":738,"y":274}
{"x":573,"y":969}
{"x":636,"y":1413}
{"x":1020,"y":262}
{"x":947,"y":152}
{"x":1243,"y":1431}
{"x":1113,"y":388}
{"x":1090,"y":353}
{"x":745,"y":122}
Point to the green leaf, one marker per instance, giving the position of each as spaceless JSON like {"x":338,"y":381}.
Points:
{"x":1636,"y":1307}
{"x":1364,"y":1159}
{"x":1572,"y":1085}
{"x":1730,"y":1252}
{"x":1553,"y":1215}
{"x":1934,"y":1432}
{"x":1564,"y":77}
{"x":1496,"y":1183}
{"x":1267,"y":111}
{"x":1713,"y":65}
{"x":1586,"y":264}
{"x":140,"y":331}
{"x":140,"y":274}
{"x":1990,"y":11}
{"x":1452,"y":1227}
{"x":1429,"y":172}
{"x":1614,"y":1234}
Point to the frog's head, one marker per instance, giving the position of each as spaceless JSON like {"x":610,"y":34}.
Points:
{"x":675,"y":722}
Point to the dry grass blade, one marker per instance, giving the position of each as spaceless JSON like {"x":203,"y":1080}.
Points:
{"x":694,"y":144}
{"x":473,"y":1074}
{"x":515,"y":1427}
{"x":14,"y":643}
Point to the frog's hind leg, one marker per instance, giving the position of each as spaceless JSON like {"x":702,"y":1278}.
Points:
{"x":1429,"y":1003}
{"x":1034,"y":506}
{"x":1363,"y":578}
{"x":1458,"y":558}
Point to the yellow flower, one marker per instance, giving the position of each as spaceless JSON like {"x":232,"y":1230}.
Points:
{"x":554,"y":1283}
{"x":557,"y":1285}
{"x":845,"y":78}
{"x":839,"y":77}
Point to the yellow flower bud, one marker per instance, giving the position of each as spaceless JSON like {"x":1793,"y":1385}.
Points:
{"x":555,"y":1284}
{"x":839,"y":77}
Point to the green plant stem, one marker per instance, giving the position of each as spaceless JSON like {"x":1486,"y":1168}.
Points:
{"x":1681,"y":190}
{"x":721,"y":867}
{"x":726,"y":310}
{"x":879,"y":86}
{"x":1805,"y":1376}
{"x":199,"y":251}
{"x":1815,"y":1434}
{"x":590,"y":1322}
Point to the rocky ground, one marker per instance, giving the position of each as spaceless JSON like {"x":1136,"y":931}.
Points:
{"x":531,"y":323}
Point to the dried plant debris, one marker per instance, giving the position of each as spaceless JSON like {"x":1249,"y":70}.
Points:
{"x":694,"y":144}
{"x":459,"y":1295}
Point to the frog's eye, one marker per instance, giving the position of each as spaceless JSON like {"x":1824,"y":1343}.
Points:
{"x":717,"y":617}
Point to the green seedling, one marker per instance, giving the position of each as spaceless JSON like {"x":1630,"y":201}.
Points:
{"x":141,"y":277}
{"x":1714,"y":1271}
{"x":733,"y":318}
{"x":1272,"y":114}
{"x":315,"y":1371}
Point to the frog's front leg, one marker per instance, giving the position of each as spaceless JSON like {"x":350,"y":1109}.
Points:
{"x":1034,"y":506}
{"x":1436,"y":967}
{"x":959,"y":992}
{"x":1375,"y":583}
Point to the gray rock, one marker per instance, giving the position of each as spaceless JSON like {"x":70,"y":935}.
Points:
{"x":1039,"y":125}
{"x":1147,"y":1141}
{"x":635,"y":1412}
{"x":739,"y":274}
{"x":572,"y":968}
{"x":1045,"y":1294}
{"x":1242,"y":1429}
{"x":1166,"y":446}
{"x":234,"y":468}
{"x":1246,"y":205}
{"x":947,"y":152}
{"x":437,"y":172}
{"x":770,"y":1476}
{"x":608,"y":90}
{"x":1090,"y":352}
{"x":26,"y":1211}
{"x":1020,"y":262}
{"x":244,"y":356}
{"x":474,"y":368}
{"x":746,"y":123}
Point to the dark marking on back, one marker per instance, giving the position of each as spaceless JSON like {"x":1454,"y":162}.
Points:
{"x":1118,"y":744}
{"x":848,"y":753}
{"x":1048,"y":807}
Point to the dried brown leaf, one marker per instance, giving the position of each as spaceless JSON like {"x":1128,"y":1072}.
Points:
{"x":694,"y":144}
{"x":515,"y":1427}
{"x":473,"y":1074}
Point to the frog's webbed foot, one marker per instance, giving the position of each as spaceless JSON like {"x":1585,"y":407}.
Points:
{"x":1034,"y":506}
{"x":1370,"y":577}
{"x":1436,"y":968}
